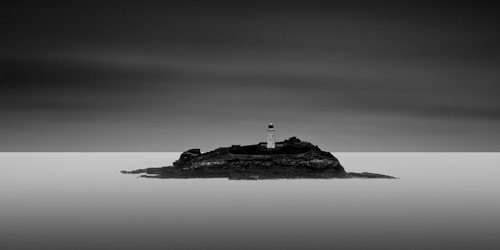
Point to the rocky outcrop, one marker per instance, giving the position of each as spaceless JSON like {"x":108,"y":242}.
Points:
{"x":186,"y":156}
{"x":291,"y":159}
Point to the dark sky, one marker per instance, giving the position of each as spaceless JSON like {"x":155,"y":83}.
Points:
{"x":144,"y":76}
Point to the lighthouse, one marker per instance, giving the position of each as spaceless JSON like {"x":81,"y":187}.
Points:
{"x":270,"y":136}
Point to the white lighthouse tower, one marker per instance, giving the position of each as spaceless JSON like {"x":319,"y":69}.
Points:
{"x":270,"y":136}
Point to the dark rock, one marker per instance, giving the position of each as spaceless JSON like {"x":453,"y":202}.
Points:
{"x":187,"y":156}
{"x":291,"y":159}
{"x":138,"y":171}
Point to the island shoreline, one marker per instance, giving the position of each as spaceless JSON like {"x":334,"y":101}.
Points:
{"x":291,"y":159}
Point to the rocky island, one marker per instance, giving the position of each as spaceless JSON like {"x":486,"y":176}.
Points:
{"x":289,"y":159}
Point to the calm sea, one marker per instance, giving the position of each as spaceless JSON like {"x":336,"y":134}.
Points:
{"x":81,"y":201}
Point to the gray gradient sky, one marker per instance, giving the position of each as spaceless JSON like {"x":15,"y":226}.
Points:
{"x":103,"y":76}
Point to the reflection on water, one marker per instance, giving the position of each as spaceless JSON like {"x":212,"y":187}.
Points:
{"x":81,"y":201}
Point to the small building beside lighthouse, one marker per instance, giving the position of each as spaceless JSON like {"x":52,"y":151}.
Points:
{"x":270,"y":136}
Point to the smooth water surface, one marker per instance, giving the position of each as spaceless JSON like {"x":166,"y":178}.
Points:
{"x":81,"y":201}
